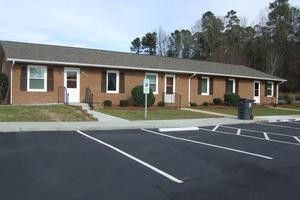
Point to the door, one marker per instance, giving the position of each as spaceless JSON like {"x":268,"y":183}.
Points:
{"x":72,"y":84}
{"x":170,"y":89}
{"x":257,"y":92}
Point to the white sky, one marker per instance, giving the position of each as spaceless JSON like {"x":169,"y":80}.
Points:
{"x":110,"y":24}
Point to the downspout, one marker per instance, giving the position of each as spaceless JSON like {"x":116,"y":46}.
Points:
{"x":189,"y":91}
{"x":11,"y":76}
{"x":277,"y":91}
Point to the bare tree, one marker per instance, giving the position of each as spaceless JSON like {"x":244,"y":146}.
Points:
{"x":162,"y":42}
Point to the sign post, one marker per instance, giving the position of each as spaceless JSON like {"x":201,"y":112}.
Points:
{"x":146,"y":92}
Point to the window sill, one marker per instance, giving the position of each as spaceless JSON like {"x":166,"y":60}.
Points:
{"x":112,"y":92}
{"x":32,"y":90}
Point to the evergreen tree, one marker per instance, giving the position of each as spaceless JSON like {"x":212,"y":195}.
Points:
{"x":136,"y":45}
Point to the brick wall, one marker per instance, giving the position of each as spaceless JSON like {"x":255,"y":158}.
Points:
{"x":25,"y":97}
{"x":91,"y":77}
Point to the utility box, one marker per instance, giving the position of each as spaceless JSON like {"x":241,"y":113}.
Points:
{"x":245,"y":108}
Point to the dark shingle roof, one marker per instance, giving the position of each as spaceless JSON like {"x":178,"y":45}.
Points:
{"x":63,"y":54}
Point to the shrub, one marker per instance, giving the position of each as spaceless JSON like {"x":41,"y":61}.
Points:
{"x":124,"y":103}
{"x":297,"y":97}
{"x":138,"y":96}
{"x":290,"y":98}
{"x":193,"y":104}
{"x":205,"y":103}
{"x":3,"y":86}
{"x":218,"y":101}
{"x":107,"y":103}
{"x":231,"y":99}
{"x":161,"y":104}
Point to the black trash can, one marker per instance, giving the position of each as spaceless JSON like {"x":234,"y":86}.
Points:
{"x":245,"y":108}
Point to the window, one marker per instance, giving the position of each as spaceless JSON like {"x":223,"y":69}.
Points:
{"x":204,"y":86}
{"x":153,"y":78}
{"x":37,"y":78}
{"x":71,"y":79}
{"x":270,"y":89}
{"x":230,"y":86}
{"x":112,"y":82}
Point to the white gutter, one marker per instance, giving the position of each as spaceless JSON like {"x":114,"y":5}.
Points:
{"x":189,"y":94}
{"x":11,"y":81}
{"x":137,"y":68}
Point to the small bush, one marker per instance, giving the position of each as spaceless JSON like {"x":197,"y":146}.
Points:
{"x":193,"y":104}
{"x":3,"y":86}
{"x":231,"y":99}
{"x":124,"y":103}
{"x":205,"y":103}
{"x":218,"y":101}
{"x":138,"y":96}
{"x":161,"y":104}
{"x":297,"y":97}
{"x":107,"y":103}
{"x":290,"y":98}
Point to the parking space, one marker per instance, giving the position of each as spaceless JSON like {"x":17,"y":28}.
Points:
{"x":244,"y":161}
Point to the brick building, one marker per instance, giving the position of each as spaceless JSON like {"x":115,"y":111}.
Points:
{"x":51,"y":74}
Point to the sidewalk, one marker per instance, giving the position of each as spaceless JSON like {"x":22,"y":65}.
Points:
{"x":71,"y":126}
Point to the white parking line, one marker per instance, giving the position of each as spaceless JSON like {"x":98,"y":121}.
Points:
{"x":238,"y":132}
{"x":255,"y":131}
{"x":172,"y":178}
{"x":210,"y":145}
{"x":266,"y":136}
{"x":216,"y":127}
{"x":296,"y":138}
{"x":249,"y":136}
{"x":276,"y":125}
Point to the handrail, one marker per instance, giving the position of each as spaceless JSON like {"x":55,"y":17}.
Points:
{"x":89,"y":98}
{"x":65,"y":95}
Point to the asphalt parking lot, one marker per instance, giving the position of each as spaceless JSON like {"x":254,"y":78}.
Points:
{"x":242,"y":161}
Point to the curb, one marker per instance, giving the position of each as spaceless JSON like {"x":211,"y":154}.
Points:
{"x":279,"y":120}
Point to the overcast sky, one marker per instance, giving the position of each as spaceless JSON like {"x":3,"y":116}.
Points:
{"x":110,"y":24}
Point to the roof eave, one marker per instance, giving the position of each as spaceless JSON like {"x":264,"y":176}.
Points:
{"x":137,"y":68}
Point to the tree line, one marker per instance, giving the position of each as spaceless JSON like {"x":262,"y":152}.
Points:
{"x":272,"y":45}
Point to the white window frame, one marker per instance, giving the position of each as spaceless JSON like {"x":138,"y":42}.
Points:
{"x":117,"y":81}
{"x":233,"y":85}
{"x":156,"y":81}
{"x":28,"y":78}
{"x":207,"y":86}
{"x":272,"y":89}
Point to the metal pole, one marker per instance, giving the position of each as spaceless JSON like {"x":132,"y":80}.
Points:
{"x":146,"y":106}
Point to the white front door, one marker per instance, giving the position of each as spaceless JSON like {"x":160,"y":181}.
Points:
{"x":257,"y":92}
{"x":72,"y":84}
{"x":170,"y":89}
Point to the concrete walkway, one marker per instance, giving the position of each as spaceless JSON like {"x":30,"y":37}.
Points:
{"x":101,"y":117}
{"x":112,"y":125}
{"x":209,"y":112}
{"x":290,"y":109}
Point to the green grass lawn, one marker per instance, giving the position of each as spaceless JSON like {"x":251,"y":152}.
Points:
{"x":159,"y":114}
{"x":257,"y":111}
{"x":46,"y":113}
